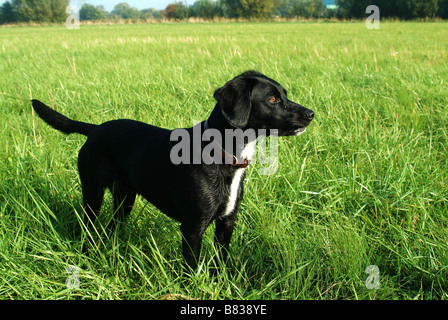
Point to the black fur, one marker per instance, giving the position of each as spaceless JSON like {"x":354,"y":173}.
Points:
{"x":131,"y":157}
{"x":61,"y":122}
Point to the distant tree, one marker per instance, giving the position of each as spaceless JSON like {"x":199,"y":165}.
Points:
{"x":150,"y":14}
{"x":7,"y":14}
{"x":352,"y":8}
{"x":357,"y":8}
{"x":284,"y":8}
{"x":404,"y":9}
{"x":206,"y":9}
{"x":231,"y":8}
{"x":29,"y":10}
{"x":176,"y":11}
{"x":257,"y":8}
{"x":443,"y":9}
{"x":121,"y":8}
{"x":427,"y":8}
{"x":59,"y":10}
{"x":125,"y":11}
{"x":407,"y":9}
{"x":40,"y":10}
{"x":249,"y":8}
{"x":90,"y":12}
{"x":306,"y":8}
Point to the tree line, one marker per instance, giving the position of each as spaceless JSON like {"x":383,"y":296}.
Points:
{"x":34,"y":10}
{"x":55,"y":10}
{"x":403,"y":9}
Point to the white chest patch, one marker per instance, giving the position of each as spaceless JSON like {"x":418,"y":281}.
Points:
{"x":247,"y":153}
{"x":236,"y":181}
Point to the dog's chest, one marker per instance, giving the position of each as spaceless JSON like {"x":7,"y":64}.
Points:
{"x":232,"y":195}
{"x":237,"y":179}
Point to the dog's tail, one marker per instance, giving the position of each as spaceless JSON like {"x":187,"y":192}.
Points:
{"x":61,"y":122}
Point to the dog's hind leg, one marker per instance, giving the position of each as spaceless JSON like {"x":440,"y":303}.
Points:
{"x":93,"y":199}
{"x":93,"y":193}
{"x":94,"y":181}
{"x":124,"y":198}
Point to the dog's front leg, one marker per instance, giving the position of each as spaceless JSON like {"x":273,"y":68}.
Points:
{"x":223,"y":234}
{"x":191,"y":246}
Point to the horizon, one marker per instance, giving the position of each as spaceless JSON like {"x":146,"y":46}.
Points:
{"x":139,"y":4}
{"x":110,"y":4}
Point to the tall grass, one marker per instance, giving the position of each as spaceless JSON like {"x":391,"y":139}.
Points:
{"x":365,"y":185}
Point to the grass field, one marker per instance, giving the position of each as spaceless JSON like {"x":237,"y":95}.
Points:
{"x":367,"y":184}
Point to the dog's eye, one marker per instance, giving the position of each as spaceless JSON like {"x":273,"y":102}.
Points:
{"x":274,"y":99}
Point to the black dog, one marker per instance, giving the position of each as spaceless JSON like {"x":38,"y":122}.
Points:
{"x":131,"y":157}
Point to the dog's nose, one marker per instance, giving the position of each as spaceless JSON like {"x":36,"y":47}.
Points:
{"x":309,"y":114}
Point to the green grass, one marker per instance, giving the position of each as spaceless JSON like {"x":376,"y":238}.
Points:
{"x":367,"y":184}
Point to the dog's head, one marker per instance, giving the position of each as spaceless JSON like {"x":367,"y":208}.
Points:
{"x":252,"y":100}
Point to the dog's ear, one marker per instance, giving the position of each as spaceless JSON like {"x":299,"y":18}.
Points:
{"x":234,"y":100}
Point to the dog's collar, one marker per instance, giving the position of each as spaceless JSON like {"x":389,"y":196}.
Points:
{"x":228,"y":157}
